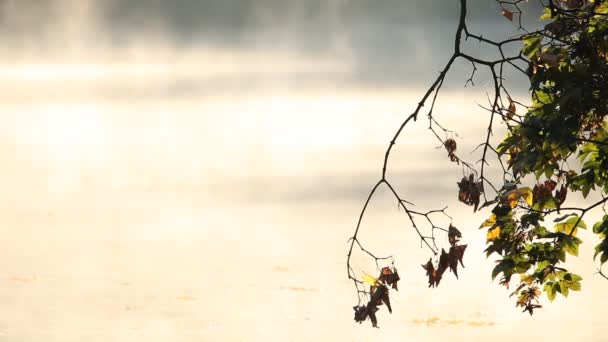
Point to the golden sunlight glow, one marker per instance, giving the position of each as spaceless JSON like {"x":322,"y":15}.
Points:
{"x":69,"y":133}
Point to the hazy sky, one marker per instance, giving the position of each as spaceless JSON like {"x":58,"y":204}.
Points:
{"x":386,"y":42}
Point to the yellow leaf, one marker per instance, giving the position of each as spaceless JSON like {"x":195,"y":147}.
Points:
{"x":526,"y":194}
{"x":514,"y":196}
{"x":369,"y":279}
{"x":493,"y":234}
{"x":566,"y":228}
{"x":489,"y":222}
{"x":526,"y":278}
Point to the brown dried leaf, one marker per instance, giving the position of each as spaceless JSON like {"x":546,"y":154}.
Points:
{"x":454,"y":235}
{"x":431,"y":272}
{"x":470,"y":191}
{"x":389,"y":276}
{"x":543,"y":191}
{"x":511,"y":111}
{"x":456,"y":254}
{"x":561,"y":195}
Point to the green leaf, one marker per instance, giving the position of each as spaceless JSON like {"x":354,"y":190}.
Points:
{"x":531,"y":45}
{"x":546,"y":14}
{"x":571,"y":248}
{"x":601,"y":227}
{"x":550,"y":290}
{"x":563,"y":288}
{"x":576,"y":220}
{"x":570,"y":227}
{"x":575,"y":286}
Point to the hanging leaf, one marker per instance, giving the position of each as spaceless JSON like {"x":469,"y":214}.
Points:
{"x":491,"y":221}
{"x":493,"y":234}
{"x":456,"y":254}
{"x":371,"y":312}
{"x":369,"y":279}
{"x":470,"y":191}
{"x":389,"y":276}
{"x":379,"y":296}
{"x":450,"y":146}
{"x":511,"y":110}
{"x":542,"y":192}
{"x":570,"y":227}
{"x":454,"y":235}
{"x":360,"y":313}
{"x":507,"y":14}
{"x":444,"y":262}
{"x":513,"y":197}
{"x":431,"y":272}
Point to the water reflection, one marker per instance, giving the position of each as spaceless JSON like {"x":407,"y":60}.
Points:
{"x":224,"y":216}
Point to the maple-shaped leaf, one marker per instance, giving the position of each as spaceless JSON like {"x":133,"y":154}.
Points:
{"x":456,"y":254}
{"x":461,"y":250}
{"x":493,"y":234}
{"x":444,"y":262}
{"x":371,"y":312}
{"x":453,"y":235}
{"x":530,"y":308}
{"x":470,"y":191}
{"x":431,"y":272}
{"x":389,"y":276}
{"x":513,"y":197}
{"x":507,"y":14}
{"x":379,"y":295}
{"x":369,"y":279}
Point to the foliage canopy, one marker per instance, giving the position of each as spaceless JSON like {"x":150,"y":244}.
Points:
{"x":556,"y":145}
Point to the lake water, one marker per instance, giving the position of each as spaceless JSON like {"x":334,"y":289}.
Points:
{"x":169,"y":211}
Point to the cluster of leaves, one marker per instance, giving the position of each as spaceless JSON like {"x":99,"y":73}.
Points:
{"x":568,"y":71}
{"x":469,"y":191}
{"x":566,"y":62}
{"x":528,"y":249}
{"x":378,"y":293}
{"x":446,"y":259}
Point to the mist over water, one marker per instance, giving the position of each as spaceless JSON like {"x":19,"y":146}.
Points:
{"x":191,"y":170}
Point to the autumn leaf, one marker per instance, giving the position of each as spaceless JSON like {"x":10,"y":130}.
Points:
{"x":456,"y":254}
{"x":444,"y":262}
{"x":389,"y":276}
{"x":507,"y":14}
{"x":513,"y":197}
{"x":454,"y":235}
{"x":450,"y":146}
{"x":570,"y":227}
{"x":470,"y":191}
{"x":432,"y":273}
{"x":493,"y":234}
{"x":511,"y":110}
{"x":379,"y":295}
{"x":543,"y":191}
{"x":369,"y":279}
{"x":491,"y":221}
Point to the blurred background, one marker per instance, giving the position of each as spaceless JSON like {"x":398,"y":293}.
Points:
{"x":191,"y":171}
